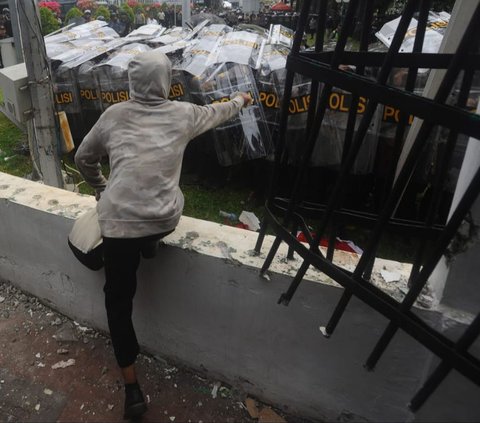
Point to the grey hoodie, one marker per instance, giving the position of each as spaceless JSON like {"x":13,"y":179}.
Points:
{"x":145,"y":139}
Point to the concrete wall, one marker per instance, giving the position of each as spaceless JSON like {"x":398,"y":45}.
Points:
{"x":201,"y":302}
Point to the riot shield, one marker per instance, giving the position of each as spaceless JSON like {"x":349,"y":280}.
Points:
{"x":67,"y":100}
{"x":89,"y":94}
{"x":112,"y":75}
{"x":246,"y":136}
{"x":91,"y":30}
{"x":239,"y":47}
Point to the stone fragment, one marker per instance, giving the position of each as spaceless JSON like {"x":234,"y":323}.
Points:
{"x":267,"y":415}
{"x":65,"y":334}
{"x":252,"y":408}
{"x":62,"y":364}
{"x":56,"y":322}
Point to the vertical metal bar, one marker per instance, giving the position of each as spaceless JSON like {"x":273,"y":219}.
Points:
{"x":322,"y":18}
{"x":290,"y":253}
{"x":352,"y":114}
{"x":287,"y":95}
{"x":261,"y":235}
{"x":367,"y":274}
{"x":331,"y":241}
{"x":444,"y":368}
{"x":409,"y":86}
{"x":315,"y":85}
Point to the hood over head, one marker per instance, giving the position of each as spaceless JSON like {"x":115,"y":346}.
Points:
{"x":150,"y":76}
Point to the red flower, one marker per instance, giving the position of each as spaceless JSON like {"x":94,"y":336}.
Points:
{"x":52,"y":5}
{"x":87,"y":4}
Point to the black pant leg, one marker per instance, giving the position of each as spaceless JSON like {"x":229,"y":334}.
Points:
{"x":121,"y":257}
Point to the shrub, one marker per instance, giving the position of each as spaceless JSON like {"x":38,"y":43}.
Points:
{"x":48,"y":20}
{"x":129,"y":11}
{"x":73,"y":13}
{"x":139,"y":8}
{"x":102,"y":11}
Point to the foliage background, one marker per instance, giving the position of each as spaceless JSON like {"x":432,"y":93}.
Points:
{"x":49,"y":21}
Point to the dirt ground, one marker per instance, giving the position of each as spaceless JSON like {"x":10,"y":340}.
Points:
{"x":54,"y":369}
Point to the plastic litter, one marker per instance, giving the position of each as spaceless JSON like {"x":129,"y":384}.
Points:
{"x":249,"y":219}
{"x":214,"y":392}
{"x":230,"y":216}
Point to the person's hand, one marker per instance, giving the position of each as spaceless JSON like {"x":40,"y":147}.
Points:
{"x":247,"y":99}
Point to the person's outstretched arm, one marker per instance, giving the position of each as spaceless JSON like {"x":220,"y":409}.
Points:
{"x":212,"y":115}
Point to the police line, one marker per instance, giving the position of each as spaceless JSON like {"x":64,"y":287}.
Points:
{"x":94,"y":77}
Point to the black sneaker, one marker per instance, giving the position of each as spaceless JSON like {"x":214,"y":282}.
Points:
{"x":135,"y":405}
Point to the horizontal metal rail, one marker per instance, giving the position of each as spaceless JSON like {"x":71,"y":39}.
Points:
{"x":421,"y":107}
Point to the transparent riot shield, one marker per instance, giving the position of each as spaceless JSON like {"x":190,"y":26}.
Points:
{"x":112,"y":75}
{"x":213,"y":32}
{"x":196,"y":55}
{"x":170,"y":36}
{"x":281,"y":35}
{"x":90,"y":99}
{"x":67,"y":100}
{"x":179,"y":87}
{"x":329,"y":147}
{"x":246,"y":136}
{"x":268,"y":78}
{"x":91,"y":30}
{"x":239,"y":47}
{"x":298,"y":111}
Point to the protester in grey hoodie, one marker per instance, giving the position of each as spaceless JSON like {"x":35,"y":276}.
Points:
{"x":144,"y":139}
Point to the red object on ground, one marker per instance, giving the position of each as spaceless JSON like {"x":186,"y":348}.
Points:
{"x":281,"y":7}
{"x":340,"y":244}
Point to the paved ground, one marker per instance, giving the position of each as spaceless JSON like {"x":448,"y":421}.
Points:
{"x":53,"y":369}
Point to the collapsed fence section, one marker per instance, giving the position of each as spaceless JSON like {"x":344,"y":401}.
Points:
{"x":374,"y":88}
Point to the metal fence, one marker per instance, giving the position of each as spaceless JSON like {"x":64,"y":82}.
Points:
{"x":366,"y":76}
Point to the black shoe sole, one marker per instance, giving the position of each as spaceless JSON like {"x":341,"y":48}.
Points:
{"x":135,"y":411}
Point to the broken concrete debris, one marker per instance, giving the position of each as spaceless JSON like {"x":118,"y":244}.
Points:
{"x":267,"y":415}
{"x":252,"y":408}
{"x":264,"y":415}
{"x":193,"y":391}
{"x":63,"y":364}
